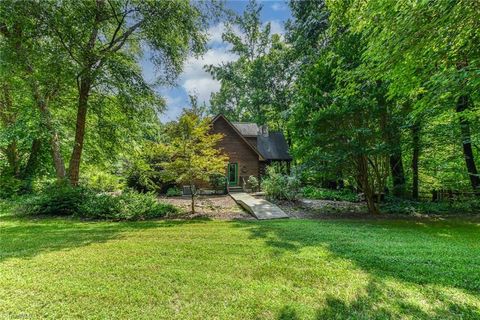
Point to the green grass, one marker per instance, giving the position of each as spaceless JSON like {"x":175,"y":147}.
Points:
{"x":296,"y":269}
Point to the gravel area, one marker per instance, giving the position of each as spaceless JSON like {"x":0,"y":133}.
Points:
{"x":221,"y":207}
{"x":306,"y":208}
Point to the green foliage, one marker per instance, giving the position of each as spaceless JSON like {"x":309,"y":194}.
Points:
{"x":9,"y":186}
{"x":140,"y":206}
{"x":101,"y":180}
{"x":59,"y":199}
{"x":254,"y":87}
{"x":65,"y":200}
{"x":218,"y":182}
{"x":58,"y":61}
{"x":143,"y":171}
{"x":140,"y":177}
{"x":312,"y":192}
{"x":253,"y":182}
{"x":408,"y":207}
{"x":173,"y":192}
{"x":280,"y":186}
{"x":193,"y":156}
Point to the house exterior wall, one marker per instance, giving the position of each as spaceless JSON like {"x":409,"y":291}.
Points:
{"x":252,"y":141}
{"x":237,"y":150}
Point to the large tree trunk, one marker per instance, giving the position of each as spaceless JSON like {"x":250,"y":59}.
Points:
{"x":463,"y":104}
{"x":74,"y":167}
{"x":415,"y":158}
{"x":84,"y":86}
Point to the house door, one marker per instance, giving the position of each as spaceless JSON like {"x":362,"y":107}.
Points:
{"x":232,"y":174}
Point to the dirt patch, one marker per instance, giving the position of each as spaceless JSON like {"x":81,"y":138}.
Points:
{"x":221,"y":207}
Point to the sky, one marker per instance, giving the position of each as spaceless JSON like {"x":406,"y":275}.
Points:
{"x":194,"y":79}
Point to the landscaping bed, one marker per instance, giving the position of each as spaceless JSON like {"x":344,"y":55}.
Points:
{"x":221,"y":207}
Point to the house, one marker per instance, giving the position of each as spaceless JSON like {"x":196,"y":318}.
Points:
{"x":250,"y":148}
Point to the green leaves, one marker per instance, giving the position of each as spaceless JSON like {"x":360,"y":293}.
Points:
{"x":192,"y":154}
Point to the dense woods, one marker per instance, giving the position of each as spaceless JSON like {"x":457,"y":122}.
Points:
{"x":380,"y":97}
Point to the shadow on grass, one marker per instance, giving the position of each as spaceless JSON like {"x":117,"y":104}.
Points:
{"x":375,"y":303}
{"x":26,"y":237}
{"x":427,"y":252}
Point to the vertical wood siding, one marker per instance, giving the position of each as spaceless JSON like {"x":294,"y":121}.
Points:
{"x":237,"y":150}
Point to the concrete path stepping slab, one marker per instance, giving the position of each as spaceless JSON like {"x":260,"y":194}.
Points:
{"x":259,"y":208}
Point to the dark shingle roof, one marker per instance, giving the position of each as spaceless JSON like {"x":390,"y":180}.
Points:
{"x":247,"y":129}
{"x":273,"y":146}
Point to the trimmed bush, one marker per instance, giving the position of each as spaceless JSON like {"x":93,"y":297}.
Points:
{"x":312,"y":192}
{"x":65,"y":200}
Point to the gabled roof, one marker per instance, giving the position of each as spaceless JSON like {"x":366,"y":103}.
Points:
{"x":269,"y":147}
{"x":221,"y":116}
{"x":247,"y":129}
{"x":273,"y":147}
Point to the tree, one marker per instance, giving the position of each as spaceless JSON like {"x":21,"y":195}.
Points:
{"x":255,"y":87}
{"x":93,"y":48}
{"x":428,"y":52}
{"x":192,"y":154}
{"x":107,"y":40}
{"x":29,"y":54}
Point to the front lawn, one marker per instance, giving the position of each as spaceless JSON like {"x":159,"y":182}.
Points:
{"x":293,"y":269}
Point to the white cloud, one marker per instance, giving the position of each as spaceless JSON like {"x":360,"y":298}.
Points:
{"x":278,"y":6}
{"x":202,"y":87}
{"x":215,"y":33}
{"x":195,"y":80}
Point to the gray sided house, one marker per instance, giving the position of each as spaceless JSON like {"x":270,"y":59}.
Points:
{"x":250,"y":148}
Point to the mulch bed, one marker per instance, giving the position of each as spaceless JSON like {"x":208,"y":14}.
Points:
{"x":221,"y":207}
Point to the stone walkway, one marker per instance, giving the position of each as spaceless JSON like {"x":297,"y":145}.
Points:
{"x":259,"y":208}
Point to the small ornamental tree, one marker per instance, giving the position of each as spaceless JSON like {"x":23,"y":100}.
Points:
{"x":192,"y":154}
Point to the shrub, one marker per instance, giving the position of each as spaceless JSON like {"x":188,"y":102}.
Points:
{"x":101,"y":181}
{"x":9,"y":186}
{"x":312,"y":192}
{"x":140,"y":177}
{"x":278,"y":186}
{"x":218,"y":182}
{"x":173,"y":192}
{"x":402,"y":206}
{"x":253,"y":182}
{"x":140,"y":206}
{"x":65,"y":200}
{"x":58,"y":199}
